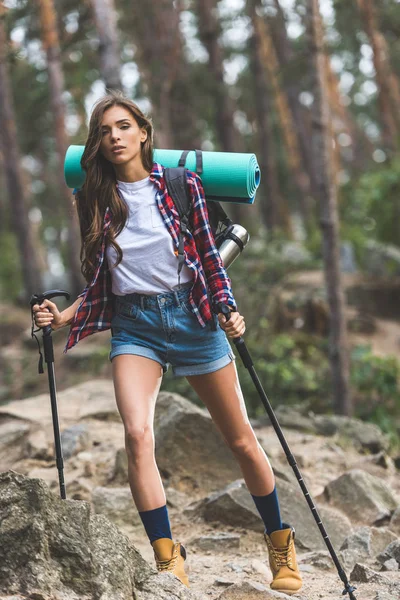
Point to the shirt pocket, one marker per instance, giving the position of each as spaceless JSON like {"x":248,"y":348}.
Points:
{"x":156,"y":218}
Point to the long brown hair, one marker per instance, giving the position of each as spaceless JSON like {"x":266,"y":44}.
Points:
{"x":99,"y":190}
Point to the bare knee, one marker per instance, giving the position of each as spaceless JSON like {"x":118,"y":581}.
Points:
{"x":246,"y":448}
{"x":139,"y":442}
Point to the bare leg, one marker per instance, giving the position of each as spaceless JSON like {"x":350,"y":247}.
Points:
{"x":220,"y":391}
{"x":137,"y":381}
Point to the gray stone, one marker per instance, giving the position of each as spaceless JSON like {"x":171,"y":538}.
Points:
{"x":234,"y":506}
{"x":119,"y":474}
{"x":13,"y":434}
{"x":57,"y":548}
{"x":364,"y":574}
{"x":37,"y":446}
{"x":116,"y":504}
{"x":292,"y":417}
{"x":74,"y":439}
{"x":380,"y":595}
{"x":359,"y":542}
{"x":381,"y":537}
{"x":219,"y":542}
{"x":320,"y":560}
{"x":366,"y":542}
{"x":177,"y":499}
{"x":391,"y":551}
{"x":361,"y":435}
{"x":390,"y":565}
{"x":394,"y":524}
{"x":251,"y":590}
{"x":190,"y":452}
{"x":361,"y":496}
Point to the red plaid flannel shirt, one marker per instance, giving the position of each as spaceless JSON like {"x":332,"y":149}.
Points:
{"x":201,"y":256}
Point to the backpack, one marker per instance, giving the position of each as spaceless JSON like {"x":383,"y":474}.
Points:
{"x":176,"y":181}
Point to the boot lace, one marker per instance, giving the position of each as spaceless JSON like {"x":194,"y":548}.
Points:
{"x":169,"y":564}
{"x":282,"y":556}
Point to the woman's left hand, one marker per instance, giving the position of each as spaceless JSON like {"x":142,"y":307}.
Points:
{"x":233,"y":328}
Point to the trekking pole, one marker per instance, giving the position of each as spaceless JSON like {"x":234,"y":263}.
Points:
{"x":49,"y":359}
{"x":248,"y":363}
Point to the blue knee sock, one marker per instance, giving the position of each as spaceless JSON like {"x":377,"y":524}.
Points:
{"x":268,"y":507}
{"x":156,"y":523}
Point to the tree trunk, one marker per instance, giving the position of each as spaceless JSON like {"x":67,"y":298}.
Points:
{"x":388,"y":85}
{"x":31,"y":275}
{"x":209,"y":33}
{"x":56,"y":85}
{"x":345,"y":122}
{"x":300,"y":114}
{"x":274,"y":209}
{"x":271,"y":64}
{"x":162,"y":61}
{"x":105,"y":17}
{"x":321,"y":148}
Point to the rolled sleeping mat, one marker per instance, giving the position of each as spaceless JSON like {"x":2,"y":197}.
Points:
{"x":226,"y":176}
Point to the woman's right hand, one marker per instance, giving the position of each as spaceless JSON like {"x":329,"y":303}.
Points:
{"x":47,"y":314}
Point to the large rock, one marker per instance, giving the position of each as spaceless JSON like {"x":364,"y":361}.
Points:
{"x":75,"y":439}
{"x":13,"y":436}
{"x":190,"y":452}
{"x":234,"y":506}
{"x":116,"y":504}
{"x":364,"y":543}
{"x":391,"y":551}
{"x":57,"y":549}
{"x":394,"y":524}
{"x":363,"y":497}
{"x":364,"y":437}
{"x":251,"y":590}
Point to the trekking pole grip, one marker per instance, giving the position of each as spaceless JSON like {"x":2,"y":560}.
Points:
{"x":238,"y":341}
{"x":47,"y":343}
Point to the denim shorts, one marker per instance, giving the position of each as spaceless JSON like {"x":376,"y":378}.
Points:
{"x":164,"y":328}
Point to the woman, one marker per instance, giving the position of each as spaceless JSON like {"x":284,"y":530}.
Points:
{"x":129,"y":228}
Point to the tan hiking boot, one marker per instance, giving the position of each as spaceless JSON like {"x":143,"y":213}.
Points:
{"x":282,"y":560}
{"x":170,"y":556}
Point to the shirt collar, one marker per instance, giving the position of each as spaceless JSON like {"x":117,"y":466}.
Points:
{"x":157,"y":173}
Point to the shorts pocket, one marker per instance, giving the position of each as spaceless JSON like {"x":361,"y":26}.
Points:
{"x":186,"y":307}
{"x":127,"y":309}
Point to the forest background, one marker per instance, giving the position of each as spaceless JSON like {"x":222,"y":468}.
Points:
{"x":312,"y":88}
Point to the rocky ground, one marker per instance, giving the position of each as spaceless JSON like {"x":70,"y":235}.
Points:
{"x":52,"y":549}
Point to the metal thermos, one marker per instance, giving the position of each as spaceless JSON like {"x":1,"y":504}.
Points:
{"x":235,"y":239}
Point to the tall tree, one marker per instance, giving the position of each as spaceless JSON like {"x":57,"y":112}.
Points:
{"x":274,"y":209}
{"x":31,"y":275}
{"x":56,"y":84}
{"x":105,"y":17}
{"x":227,"y":134}
{"x":289,"y":63}
{"x":271,"y":64}
{"x":388,"y":84}
{"x":329,"y":222}
{"x":165,"y":70}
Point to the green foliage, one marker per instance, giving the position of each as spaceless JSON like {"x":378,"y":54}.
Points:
{"x":376,"y":383}
{"x":371,"y":207}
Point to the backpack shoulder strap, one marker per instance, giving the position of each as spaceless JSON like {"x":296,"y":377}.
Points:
{"x":176,"y":181}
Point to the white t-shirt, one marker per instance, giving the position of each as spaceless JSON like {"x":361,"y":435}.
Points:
{"x":149,"y":265}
